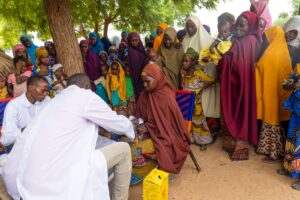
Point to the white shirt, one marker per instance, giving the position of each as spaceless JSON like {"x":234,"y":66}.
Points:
{"x":17,"y":115}
{"x":55,"y":155}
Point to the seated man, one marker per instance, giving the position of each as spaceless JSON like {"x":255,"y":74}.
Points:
{"x":21,"y":110}
{"x":55,"y":156}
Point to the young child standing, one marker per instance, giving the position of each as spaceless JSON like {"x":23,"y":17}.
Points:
{"x":116,"y":85}
{"x":42,"y":67}
{"x":60,"y":82}
{"x":16,"y":82}
{"x":194,"y":79}
{"x":220,"y":46}
{"x":291,"y":164}
{"x":101,"y":84}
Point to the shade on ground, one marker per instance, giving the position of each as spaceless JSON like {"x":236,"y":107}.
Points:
{"x":222,"y":179}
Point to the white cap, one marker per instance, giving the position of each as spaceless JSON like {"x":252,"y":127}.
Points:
{"x":56,"y":67}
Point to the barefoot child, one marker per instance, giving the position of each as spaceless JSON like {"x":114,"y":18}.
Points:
{"x":194,"y":79}
{"x":101,"y":84}
{"x":116,"y":85}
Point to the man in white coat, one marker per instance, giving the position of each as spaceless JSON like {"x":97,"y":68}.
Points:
{"x":55,"y":156}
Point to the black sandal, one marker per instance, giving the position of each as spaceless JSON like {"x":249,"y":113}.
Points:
{"x":296,"y":186}
{"x":283,"y":172}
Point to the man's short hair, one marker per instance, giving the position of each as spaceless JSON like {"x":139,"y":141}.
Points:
{"x":33,"y":80}
{"x":81,"y":80}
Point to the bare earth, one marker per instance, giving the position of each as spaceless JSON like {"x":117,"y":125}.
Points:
{"x":222,"y":179}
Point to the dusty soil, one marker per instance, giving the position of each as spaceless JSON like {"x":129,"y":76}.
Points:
{"x":222,"y":179}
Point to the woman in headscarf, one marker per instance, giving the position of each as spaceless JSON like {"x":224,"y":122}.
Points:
{"x":292,"y":35}
{"x":90,"y":60}
{"x":170,"y":58}
{"x":116,"y":41}
{"x":261,"y":8}
{"x":197,"y":37}
{"x":96,"y":43}
{"x":124,"y":36}
{"x":123,"y":51}
{"x":20,"y":50}
{"x":211,"y":100}
{"x":106,"y":43}
{"x":163,"y":119}
{"x":137,"y":59}
{"x":30,"y":47}
{"x":238,"y":94}
{"x":160,"y":30}
{"x":271,"y":70}
{"x":52,"y":52}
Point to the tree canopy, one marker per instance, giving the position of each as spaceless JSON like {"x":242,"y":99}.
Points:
{"x":296,"y":6}
{"x":17,"y":17}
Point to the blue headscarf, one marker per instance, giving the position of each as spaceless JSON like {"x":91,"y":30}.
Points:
{"x":107,"y":43}
{"x":30,"y":50}
{"x":98,"y":47}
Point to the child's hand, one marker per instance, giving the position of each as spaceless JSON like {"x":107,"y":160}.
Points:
{"x":206,"y":59}
{"x":213,"y":45}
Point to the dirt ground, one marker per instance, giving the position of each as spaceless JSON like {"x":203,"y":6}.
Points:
{"x":222,"y":179}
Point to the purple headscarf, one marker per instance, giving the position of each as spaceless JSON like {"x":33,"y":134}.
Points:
{"x":137,"y":59}
{"x":92,"y":63}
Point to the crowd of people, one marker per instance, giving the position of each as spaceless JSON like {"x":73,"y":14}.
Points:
{"x":77,"y":129}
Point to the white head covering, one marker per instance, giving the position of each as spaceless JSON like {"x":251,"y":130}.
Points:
{"x":200,"y":40}
{"x":293,"y":24}
{"x":56,"y":67}
{"x":116,"y":41}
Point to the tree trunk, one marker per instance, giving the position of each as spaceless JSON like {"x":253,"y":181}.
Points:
{"x":106,"y":24}
{"x":63,"y":34}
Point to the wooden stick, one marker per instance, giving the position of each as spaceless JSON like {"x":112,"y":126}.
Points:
{"x":195,"y":161}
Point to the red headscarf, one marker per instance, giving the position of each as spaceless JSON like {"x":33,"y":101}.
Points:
{"x":164,"y":122}
{"x":238,"y":91}
{"x":253,"y":23}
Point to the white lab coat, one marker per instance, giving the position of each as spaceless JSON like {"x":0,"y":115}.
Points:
{"x":58,"y":158}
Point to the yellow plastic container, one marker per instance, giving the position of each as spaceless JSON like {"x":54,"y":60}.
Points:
{"x":156,"y":185}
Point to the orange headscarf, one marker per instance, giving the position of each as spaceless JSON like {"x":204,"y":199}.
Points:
{"x":269,"y":75}
{"x":159,"y":38}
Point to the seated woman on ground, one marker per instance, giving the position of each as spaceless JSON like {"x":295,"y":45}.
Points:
{"x":163,"y":119}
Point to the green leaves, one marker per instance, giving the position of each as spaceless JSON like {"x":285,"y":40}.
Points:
{"x":18,"y":17}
